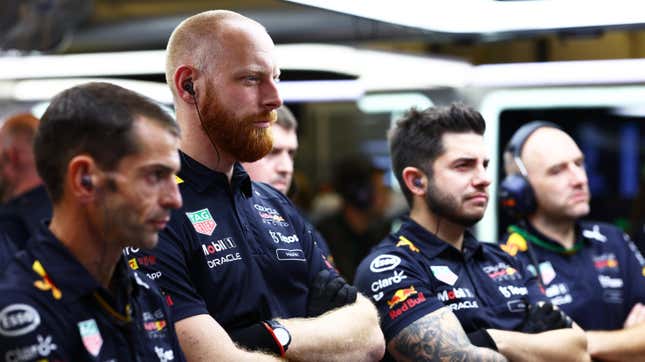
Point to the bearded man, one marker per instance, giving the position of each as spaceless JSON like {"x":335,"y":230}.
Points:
{"x":237,"y":262}
{"x":441,"y":294}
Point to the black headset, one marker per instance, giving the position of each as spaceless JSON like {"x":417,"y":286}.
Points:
{"x":515,"y":192}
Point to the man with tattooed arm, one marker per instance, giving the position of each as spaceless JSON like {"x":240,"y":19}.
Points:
{"x":441,"y":294}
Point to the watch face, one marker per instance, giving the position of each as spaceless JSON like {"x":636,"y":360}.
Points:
{"x":282,"y":335}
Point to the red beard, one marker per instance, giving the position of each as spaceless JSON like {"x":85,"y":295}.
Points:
{"x":239,"y":138}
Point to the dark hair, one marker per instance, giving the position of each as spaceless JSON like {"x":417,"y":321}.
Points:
{"x":94,"y":119}
{"x":415,"y":139}
{"x":286,"y":119}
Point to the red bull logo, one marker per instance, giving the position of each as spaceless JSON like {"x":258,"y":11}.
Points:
{"x":406,"y":299}
{"x":400,"y":296}
{"x":403,"y":241}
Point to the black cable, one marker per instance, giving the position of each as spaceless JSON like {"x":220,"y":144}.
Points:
{"x":201,"y":121}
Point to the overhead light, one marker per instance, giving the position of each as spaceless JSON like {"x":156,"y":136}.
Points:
{"x":302,"y":91}
{"x":376,"y":70}
{"x":393,"y":103}
{"x":587,"y":72}
{"x":485,"y":17}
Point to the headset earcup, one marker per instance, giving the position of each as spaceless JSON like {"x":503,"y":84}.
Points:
{"x":516,"y":196}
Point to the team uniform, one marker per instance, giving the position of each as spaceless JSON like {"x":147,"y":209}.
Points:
{"x":21,"y":217}
{"x":412,"y":273}
{"x":239,"y":252}
{"x":52,"y":309}
{"x":596,"y":283}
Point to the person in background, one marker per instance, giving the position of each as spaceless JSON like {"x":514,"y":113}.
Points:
{"x":358,"y":224}
{"x":590,"y":270}
{"x":25,"y":203}
{"x":442,"y":294}
{"x":276,"y":168}
{"x":237,"y":262}
{"x":108,"y":158}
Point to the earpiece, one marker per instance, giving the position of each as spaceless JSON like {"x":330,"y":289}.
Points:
{"x":86,"y":181}
{"x":188,"y":86}
{"x":418,"y":182}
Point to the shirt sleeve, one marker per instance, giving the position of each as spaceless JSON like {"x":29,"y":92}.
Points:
{"x":168,"y":265}
{"x":28,"y":332}
{"x":397,"y":286}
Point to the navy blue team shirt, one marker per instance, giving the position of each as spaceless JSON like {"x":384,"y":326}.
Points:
{"x":239,"y":252}
{"x":596,"y":283}
{"x":21,"y":217}
{"x":52,"y":309}
{"x":412,"y":273}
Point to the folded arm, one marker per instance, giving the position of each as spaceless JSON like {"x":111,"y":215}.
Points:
{"x":203,"y":339}
{"x":349,"y":333}
{"x":566,"y":344}
{"x":619,"y":345}
{"x":438,"y":337}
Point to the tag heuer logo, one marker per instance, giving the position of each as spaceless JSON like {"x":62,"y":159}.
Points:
{"x":202,"y":221}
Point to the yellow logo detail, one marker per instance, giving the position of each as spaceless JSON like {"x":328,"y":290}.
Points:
{"x":46,"y":283}
{"x":133,"y":264}
{"x":178,"y":180}
{"x":403,"y":241}
{"x":515,"y":243}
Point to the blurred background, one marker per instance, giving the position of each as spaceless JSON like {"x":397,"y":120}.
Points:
{"x":350,"y":68}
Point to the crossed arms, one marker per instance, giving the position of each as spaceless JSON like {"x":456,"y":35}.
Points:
{"x":439,"y":336}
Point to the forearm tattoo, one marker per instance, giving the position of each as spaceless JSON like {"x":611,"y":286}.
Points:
{"x":438,"y":337}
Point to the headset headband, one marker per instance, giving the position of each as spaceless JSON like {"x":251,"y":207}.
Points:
{"x":520,"y":136}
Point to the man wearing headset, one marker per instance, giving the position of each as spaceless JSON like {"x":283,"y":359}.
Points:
{"x":591,"y":270}
{"x":441,"y":294}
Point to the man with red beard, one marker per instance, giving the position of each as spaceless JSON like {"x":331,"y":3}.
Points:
{"x":591,"y":270}
{"x":237,"y":262}
{"x":441,"y":294}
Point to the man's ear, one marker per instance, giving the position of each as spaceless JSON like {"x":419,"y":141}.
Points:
{"x":184,"y":82}
{"x":80,"y":177}
{"x":415,"y":180}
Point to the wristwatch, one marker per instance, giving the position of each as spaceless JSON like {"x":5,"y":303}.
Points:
{"x":280,"y":334}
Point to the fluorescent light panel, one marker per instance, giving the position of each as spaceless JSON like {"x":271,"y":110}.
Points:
{"x":487,"y":16}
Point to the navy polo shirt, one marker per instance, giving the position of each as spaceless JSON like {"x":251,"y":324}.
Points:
{"x":412,"y":273}
{"x":596,"y":283}
{"x":52,"y":309}
{"x":239,"y":252}
{"x":21,"y":217}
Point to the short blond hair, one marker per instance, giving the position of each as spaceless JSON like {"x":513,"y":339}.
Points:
{"x":195,"y":41}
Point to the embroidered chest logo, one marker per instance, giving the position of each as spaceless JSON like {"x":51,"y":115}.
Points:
{"x":444,"y":274}
{"x":46,"y":283}
{"x":270,"y":216}
{"x":202,"y":221}
{"x":605,"y":261}
{"x":91,"y":336}
{"x":501,"y":272}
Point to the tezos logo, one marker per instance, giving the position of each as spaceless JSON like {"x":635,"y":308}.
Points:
{"x":18,"y":319}
{"x":384,"y":262}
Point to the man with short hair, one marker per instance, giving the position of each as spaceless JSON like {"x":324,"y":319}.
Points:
{"x":441,"y":293}
{"x":238,"y":255}
{"x":591,"y":270}
{"x":108,"y":158}
{"x":24,"y":199}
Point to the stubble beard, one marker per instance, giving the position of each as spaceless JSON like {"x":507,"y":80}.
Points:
{"x":445,"y":206}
